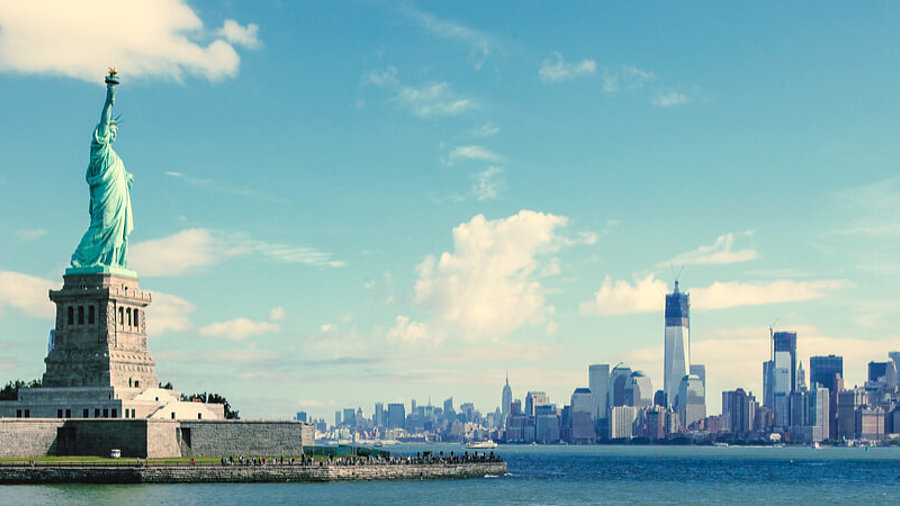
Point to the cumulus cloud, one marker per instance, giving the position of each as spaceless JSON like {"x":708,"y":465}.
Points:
{"x":669,"y":99}
{"x":145,"y":38}
{"x":247,"y":36}
{"x":471,"y":152}
{"x":720,"y":252}
{"x":558,"y":70}
{"x":488,"y":285}
{"x":622,"y":297}
{"x":28,"y":294}
{"x":424,"y":101}
{"x":193,"y":249}
{"x":238,"y":329}
{"x":168,"y":312}
{"x":648,"y":294}
{"x":408,"y":331}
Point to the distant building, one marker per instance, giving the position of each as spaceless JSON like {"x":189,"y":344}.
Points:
{"x":534,"y":399}
{"x":349,"y":417}
{"x":659,"y":398}
{"x":884,"y":373}
{"x":621,"y":422}
{"x":784,"y":346}
{"x":620,"y":386}
{"x":699,"y":370}
{"x":378,"y":417}
{"x":828,"y":371}
{"x":546,"y":424}
{"x":448,"y":405}
{"x":849,"y":402}
{"x":301,"y":416}
{"x":598,"y":381}
{"x":581,"y":417}
{"x":677,"y":358}
{"x":396,"y":416}
{"x":337,"y":418}
{"x":691,"y":406}
{"x":641,"y":390}
{"x":506,"y":399}
{"x":738,"y":412}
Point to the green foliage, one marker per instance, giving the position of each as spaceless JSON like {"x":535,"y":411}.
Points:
{"x":214,"y":398}
{"x":11,"y":391}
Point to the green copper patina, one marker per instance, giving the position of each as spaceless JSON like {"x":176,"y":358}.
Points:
{"x":104,"y":247}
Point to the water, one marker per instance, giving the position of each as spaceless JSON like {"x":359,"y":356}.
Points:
{"x":560,"y":475}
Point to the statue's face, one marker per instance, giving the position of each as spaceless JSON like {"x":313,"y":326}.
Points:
{"x":113,"y":130}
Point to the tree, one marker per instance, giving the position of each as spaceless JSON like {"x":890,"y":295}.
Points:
{"x":214,"y":399}
{"x":11,"y":391}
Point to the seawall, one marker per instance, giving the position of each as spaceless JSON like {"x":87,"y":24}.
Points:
{"x":41,"y":474}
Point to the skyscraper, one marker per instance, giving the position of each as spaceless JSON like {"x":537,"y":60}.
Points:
{"x":641,"y":390}
{"x":598,"y":381}
{"x":784,"y":348}
{"x":691,"y":406}
{"x":396,"y":416}
{"x":378,"y":417}
{"x":828,"y":372}
{"x":533,"y":400}
{"x":620,"y":386}
{"x":678,"y":343}
{"x":506,"y":398}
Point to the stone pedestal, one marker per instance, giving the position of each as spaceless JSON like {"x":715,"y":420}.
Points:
{"x":101,"y":335}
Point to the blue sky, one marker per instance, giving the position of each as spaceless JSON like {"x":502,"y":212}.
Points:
{"x":337,"y":204}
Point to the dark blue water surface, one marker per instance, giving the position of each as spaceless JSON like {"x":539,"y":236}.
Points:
{"x":560,"y":475}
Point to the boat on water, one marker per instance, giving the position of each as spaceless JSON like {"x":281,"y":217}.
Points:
{"x":481,"y":445}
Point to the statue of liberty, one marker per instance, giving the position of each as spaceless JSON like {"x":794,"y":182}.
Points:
{"x":104,"y":247}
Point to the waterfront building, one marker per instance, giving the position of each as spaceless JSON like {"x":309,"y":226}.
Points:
{"x":691,"y":406}
{"x":784,"y":348}
{"x":533,"y":400}
{"x":546,"y":424}
{"x":849,"y":402}
{"x":620,"y":386}
{"x":506,"y":399}
{"x":581,"y":417}
{"x":349,"y":417}
{"x":655,"y":422}
{"x":738,"y":412}
{"x":396,"y":416}
{"x":598,"y":382}
{"x":828,"y":371}
{"x":378,"y":416}
{"x":301,"y":416}
{"x":337,"y":419}
{"x":641,"y":390}
{"x":621,"y":422}
{"x":677,"y":358}
{"x":769,"y":384}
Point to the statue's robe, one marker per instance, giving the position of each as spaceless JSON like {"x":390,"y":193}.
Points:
{"x":106,"y":241}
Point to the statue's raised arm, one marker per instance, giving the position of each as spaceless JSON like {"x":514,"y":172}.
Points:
{"x":104,"y":247}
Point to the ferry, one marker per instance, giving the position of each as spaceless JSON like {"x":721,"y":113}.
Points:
{"x":481,"y":445}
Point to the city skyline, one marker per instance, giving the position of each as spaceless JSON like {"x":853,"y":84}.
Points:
{"x":337,"y":206}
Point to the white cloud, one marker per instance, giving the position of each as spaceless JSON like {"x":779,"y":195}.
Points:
{"x":168,"y":312}
{"x":875,"y":209}
{"x":721,"y":295}
{"x":471,"y":152}
{"x":28,"y":294}
{"x":30,"y":235}
{"x":408,"y":331}
{"x":434,"y":100}
{"x":238,"y":329}
{"x":669,"y":99}
{"x":193,"y":249}
{"x":648,"y":294}
{"x":425,"y":101}
{"x":480,"y":43}
{"x":622,"y":297}
{"x":487,"y":286}
{"x":486,"y":130}
{"x":145,"y":38}
{"x":246,"y":36}
{"x":277,"y":313}
{"x":560,"y":70}
{"x":628,"y":77}
{"x":177,"y":254}
{"x":721,"y":252}
{"x":485,"y":185}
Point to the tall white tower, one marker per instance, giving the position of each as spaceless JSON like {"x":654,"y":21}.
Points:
{"x":677,"y":362}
